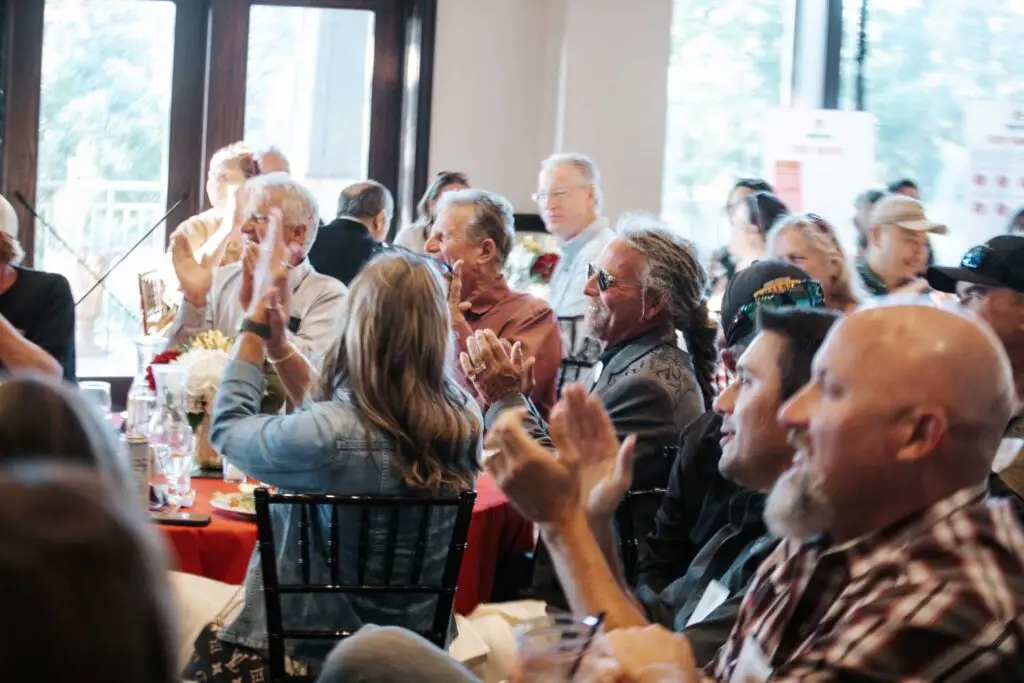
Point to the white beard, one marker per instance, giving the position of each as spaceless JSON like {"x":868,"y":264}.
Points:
{"x":797,"y":506}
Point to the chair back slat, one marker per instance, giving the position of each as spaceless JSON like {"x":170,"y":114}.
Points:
{"x":268,"y":563}
{"x":416,"y":573}
{"x":273,"y":589}
{"x":334,"y":547}
{"x":363,"y":555}
{"x":304,"y":543}
{"x":453,"y":563}
{"x":629,"y":542}
{"x":391,"y":547}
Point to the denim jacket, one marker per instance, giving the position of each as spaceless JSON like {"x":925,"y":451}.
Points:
{"x":326,"y":448}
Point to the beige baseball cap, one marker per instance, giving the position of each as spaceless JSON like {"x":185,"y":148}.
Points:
{"x":904,"y":212}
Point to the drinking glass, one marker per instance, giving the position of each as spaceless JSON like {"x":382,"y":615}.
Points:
{"x":98,"y":394}
{"x":176,"y":468}
{"x":550,"y":645}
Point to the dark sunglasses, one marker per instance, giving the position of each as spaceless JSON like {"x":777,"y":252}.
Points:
{"x":604,"y":280}
{"x":797,"y":294}
{"x":984,"y":260}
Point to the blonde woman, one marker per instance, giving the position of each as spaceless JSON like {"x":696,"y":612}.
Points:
{"x":809,"y":242}
{"x":391,"y":420}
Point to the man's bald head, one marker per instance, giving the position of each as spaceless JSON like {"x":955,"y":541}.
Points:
{"x":923,"y":355}
{"x":907,"y":405}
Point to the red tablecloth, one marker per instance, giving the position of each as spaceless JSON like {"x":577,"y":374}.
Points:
{"x":222,"y":549}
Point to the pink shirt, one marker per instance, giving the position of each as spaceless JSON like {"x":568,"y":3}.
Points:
{"x":518,"y":317}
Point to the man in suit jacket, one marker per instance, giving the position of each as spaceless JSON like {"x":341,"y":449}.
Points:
{"x":347,"y":243}
{"x":645,"y":285}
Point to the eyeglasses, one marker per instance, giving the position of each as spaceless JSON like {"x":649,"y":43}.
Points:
{"x":558,"y":195}
{"x":604,"y":280}
{"x":775,"y":295}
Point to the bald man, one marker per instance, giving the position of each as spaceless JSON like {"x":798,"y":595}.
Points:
{"x":893,"y":565}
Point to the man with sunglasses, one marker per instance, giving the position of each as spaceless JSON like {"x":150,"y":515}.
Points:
{"x":990,"y":283}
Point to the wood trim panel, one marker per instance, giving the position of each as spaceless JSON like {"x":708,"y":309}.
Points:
{"x":24,"y":33}
{"x":227,"y":55}
{"x":188,"y":87}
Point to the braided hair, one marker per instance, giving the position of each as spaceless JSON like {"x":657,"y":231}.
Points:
{"x":674,"y":269}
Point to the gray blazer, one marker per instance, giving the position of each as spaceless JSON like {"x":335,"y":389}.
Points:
{"x":649,"y":388}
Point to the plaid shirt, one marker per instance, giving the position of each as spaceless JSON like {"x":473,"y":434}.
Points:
{"x":937,"y":597}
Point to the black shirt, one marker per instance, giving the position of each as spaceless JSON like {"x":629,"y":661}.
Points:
{"x":40,"y":306}
{"x":342,"y":248}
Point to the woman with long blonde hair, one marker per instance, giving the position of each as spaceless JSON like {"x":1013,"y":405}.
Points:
{"x":390,"y":419}
{"x":808,"y":241}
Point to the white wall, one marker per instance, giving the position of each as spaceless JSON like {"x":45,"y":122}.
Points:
{"x":516,"y":80}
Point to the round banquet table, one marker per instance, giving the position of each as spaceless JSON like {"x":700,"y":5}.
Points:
{"x":221,"y":550}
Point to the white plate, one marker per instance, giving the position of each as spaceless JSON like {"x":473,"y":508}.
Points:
{"x":222,"y":502}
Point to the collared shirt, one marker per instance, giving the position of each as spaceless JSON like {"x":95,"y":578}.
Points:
{"x":872,"y":282}
{"x":315,"y":310}
{"x":570,"y":275}
{"x":938,"y":596}
{"x":519,"y":317}
{"x":1009,"y":461}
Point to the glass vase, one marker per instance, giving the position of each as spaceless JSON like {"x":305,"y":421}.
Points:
{"x":170,"y":435}
{"x":141,"y":399}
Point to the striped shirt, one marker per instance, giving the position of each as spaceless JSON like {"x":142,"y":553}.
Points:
{"x":936,"y":597}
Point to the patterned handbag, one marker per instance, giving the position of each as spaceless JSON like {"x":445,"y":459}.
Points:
{"x":218,"y":661}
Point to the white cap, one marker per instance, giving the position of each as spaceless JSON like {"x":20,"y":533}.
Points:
{"x":904,"y":212}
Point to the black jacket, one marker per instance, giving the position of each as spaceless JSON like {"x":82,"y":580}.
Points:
{"x":342,"y":248}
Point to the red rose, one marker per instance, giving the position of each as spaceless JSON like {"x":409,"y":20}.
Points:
{"x":162,"y":358}
{"x":544,"y":267}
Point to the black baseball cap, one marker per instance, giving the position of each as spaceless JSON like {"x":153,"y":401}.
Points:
{"x":745,"y":287}
{"x":997,"y":263}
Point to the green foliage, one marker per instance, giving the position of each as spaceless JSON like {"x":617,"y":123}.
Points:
{"x":106,"y":79}
{"x":925,"y":60}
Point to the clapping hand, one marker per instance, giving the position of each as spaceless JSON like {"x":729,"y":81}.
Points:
{"x":606,"y":466}
{"x":195,"y":277}
{"x":589,"y":471}
{"x":495,"y":367}
{"x":456,"y":305}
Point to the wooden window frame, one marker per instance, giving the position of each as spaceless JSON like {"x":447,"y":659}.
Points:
{"x":210,"y":53}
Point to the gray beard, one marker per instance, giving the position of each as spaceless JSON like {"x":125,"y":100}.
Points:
{"x":797,"y":507}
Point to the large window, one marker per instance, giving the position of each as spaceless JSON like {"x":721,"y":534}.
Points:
{"x":132,"y":98}
{"x":725,"y":71}
{"x":104,"y":122}
{"x":308,"y":85}
{"x":926,"y":59}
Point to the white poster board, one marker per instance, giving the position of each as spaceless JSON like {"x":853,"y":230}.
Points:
{"x":994,"y":134}
{"x":819,"y":161}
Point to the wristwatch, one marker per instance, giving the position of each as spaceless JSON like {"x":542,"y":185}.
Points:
{"x":261,"y":330}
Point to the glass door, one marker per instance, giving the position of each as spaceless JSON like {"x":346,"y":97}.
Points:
{"x":101,"y":173}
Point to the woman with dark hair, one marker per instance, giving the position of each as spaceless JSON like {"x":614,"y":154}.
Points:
{"x":390,"y":419}
{"x":39,"y":417}
{"x":82,"y":579}
{"x":415,"y":236}
{"x":751,"y":220}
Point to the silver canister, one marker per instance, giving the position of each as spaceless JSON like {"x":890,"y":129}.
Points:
{"x":141,"y":463}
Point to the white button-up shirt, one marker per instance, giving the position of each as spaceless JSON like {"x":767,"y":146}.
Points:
{"x":316,"y":309}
